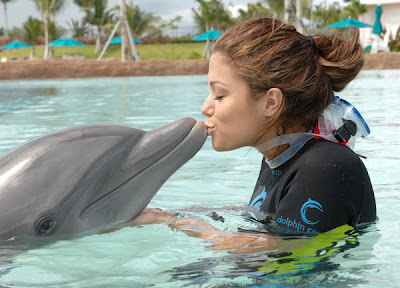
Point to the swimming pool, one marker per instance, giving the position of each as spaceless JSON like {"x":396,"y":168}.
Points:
{"x":156,"y":256}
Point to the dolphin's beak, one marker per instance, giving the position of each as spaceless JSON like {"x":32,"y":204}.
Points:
{"x":159,"y":142}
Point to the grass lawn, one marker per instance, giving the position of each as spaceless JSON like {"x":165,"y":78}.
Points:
{"x":180,"y":51}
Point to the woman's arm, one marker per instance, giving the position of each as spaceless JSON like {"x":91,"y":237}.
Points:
{"x":152,"y":216}
{"x":237,"y":242}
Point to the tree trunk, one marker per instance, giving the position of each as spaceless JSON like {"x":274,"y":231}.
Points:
{"x":46,"y":36}
{"x":288,"y":17}
{"x":206,"y":51}
{"x":299,"y":16}
{"x":311,"y":17}
{"x":98,"y":41}
{"x":126,"y":52}
{"x":5,"y":20}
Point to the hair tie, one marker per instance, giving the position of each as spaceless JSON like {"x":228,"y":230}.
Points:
{"x":313,"y":44}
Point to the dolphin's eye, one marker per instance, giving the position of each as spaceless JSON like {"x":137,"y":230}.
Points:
{"x":45,"y":225}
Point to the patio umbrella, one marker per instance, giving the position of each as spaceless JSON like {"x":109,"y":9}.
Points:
{"x":66,"y":42}
{"x":210,"y":34}
{"x":207,"y":36}
{"x":349,"y":22}
{"x":377,"y":29}
{"x":118,"y":40}
{"x":16,"y":45}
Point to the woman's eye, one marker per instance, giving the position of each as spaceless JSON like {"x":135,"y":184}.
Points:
{"x":218,"y":97}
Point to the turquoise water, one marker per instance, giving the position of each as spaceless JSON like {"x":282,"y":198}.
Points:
{"x":156,"y":256}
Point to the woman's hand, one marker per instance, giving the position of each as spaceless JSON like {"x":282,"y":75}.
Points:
{"x":223,"y":240}
{"x":236,"y":242}
{"x":151,"y":216}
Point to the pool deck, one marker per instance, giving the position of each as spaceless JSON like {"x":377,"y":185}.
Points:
{"x":43,"y":69}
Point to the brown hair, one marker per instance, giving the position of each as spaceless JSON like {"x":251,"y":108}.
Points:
{"x":268,"y":53}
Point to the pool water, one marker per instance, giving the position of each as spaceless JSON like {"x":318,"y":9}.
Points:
{"x":156,"y":256}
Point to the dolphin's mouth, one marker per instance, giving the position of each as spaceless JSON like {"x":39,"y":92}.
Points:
{"x":180,"y":147}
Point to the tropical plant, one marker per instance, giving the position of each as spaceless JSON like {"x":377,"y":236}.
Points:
{"x":221,"y":15}
{"x":141,"y":21}
{"x":253,"y":11}
{"x":171,"y":24}
{"x":212,"y":15}
{"x":55,"y":31}
{"x":277,"y":7}
{"x":353,"y":9}
{"x":78,"y":29}
{"x":327,"y":15}
{"x":33,"y":29}
{"x":47,"y":8}
{"x":17,"y":32}
{"x":84,"y":3}
{"x":394,"y":41}
{"x":5,"y":16}
{"x":98,"y":15}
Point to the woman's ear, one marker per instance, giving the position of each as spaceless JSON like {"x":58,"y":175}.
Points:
{"x":273,"y":102}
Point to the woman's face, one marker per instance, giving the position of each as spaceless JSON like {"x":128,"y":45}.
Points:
{"x":234,"y":118}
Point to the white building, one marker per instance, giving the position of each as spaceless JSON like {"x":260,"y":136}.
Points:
{"x":390,"y":18}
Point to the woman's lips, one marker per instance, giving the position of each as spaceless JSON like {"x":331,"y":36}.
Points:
{"x":210,"y":129}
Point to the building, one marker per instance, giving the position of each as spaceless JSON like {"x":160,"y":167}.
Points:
{"x":390,"y":18}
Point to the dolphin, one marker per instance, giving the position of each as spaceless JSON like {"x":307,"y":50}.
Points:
{"x":88,"y":178}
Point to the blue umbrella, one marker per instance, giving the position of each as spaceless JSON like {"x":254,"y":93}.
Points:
{"x":349,"y":22}
{"x":67,"y":42}
{"x":210,"y":34}
{"x":118,"y":40}
{"x":377,"y":29}
{"x":15,"y":45}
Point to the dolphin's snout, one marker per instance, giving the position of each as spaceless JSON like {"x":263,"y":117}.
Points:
{"x":157,"y":143}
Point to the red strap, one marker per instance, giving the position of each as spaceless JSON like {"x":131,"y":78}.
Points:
{"x":316,"y":131}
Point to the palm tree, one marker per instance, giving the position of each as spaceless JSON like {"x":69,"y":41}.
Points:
{"x":78,"y":29}
{"x":5,"y":16}
{"x":99,"y":16}
{"x":276,"y":6}
{"x":353,"y":9}
{"x":253,"y":11}
{"x":85,"y":5}
{"x":289,"y":13}
{"x":139,"y":20}
{"x":211,"y":15}
{"x":299,"y":16}
{"x":33,"y":29}
{"x":47,"y":8}
{"x":327,"y":15}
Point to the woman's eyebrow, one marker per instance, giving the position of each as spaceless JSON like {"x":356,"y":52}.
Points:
{"x":212,"y":83}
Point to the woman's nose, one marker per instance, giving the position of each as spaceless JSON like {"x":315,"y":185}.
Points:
{"x":208,"y":107}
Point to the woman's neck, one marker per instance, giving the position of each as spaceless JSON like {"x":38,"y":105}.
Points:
{"x":276,"y":151}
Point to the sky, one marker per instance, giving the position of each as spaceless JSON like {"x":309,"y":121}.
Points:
{"x":18,"y":11}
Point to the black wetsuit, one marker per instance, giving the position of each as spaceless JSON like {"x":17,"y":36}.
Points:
{"x":324,"y":186}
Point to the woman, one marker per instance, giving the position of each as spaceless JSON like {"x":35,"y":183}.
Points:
{"x":269,"y":85}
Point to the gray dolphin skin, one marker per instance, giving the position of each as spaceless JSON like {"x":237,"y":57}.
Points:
{"x":91,"y":177}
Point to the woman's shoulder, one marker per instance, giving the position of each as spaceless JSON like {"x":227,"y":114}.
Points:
{"x":321,"y":151}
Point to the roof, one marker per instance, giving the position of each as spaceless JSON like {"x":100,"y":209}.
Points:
{"x":380,"y":2}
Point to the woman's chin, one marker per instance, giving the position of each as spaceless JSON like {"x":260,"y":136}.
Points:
{"x":221,"y":147}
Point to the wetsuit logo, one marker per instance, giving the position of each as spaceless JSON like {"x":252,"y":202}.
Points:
{"x":310,"y":204}
{"x":259,"y":200}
